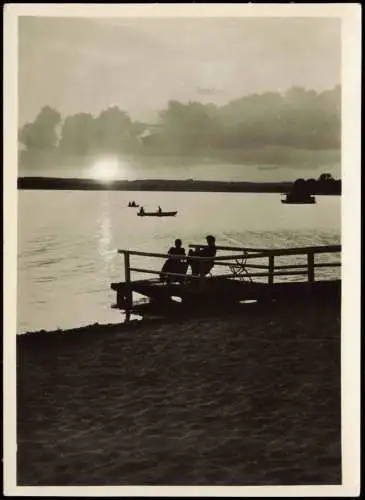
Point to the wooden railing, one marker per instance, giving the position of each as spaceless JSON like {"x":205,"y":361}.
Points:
{"x":241,"y":261}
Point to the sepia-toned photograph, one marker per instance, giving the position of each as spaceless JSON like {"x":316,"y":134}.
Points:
{"x":179,"y":242}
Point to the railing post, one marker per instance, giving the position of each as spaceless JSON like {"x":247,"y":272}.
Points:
{"x":310,"y":258}
{"x":127,"y":278}
{"x":127,"y":271}
{"x":271,"y":269}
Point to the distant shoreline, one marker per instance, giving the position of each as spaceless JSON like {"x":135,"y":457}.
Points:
{"x":189,"y":185}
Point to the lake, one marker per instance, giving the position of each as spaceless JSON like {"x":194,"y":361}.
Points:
{"x":68,"y":241}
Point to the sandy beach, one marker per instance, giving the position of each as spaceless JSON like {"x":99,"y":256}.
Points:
{"x":250,"y":397}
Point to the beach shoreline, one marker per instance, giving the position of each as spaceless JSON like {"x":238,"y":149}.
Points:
{"x":251,"y":397}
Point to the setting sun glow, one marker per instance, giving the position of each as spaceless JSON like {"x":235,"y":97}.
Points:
{"x":105,"y":170}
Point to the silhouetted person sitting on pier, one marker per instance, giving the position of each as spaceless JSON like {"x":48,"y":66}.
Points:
{"x":203,"y":267}
{"x":141,"y":211}
{"x":178,"y":266}
{"x":160,"y":212}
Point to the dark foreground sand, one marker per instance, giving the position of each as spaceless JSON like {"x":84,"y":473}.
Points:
{"x":249,"y":398}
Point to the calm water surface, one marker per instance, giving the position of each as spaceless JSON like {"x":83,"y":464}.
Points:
{"x":68,"y":241}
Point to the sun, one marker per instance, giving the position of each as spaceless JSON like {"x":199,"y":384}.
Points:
{"x":105,"y":170}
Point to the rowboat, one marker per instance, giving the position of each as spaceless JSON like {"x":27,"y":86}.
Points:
{"x":298,"y":200}
{"x":308,"y":201}
{"x":156,"y":214}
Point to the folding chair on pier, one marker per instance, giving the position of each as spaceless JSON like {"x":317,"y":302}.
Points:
{"x":239,"y":269}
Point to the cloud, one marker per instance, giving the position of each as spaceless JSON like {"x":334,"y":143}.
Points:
{"x":79,"y":64}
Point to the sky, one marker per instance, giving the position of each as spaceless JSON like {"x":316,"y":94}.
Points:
{"x":88,"y":64}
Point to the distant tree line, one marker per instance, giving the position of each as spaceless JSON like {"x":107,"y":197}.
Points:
{"x":298,"y":118}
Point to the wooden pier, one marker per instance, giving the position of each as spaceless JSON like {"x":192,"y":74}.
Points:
{"x":238,"y":275}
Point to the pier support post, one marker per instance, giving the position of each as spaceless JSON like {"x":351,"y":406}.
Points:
{"x":201,"y":276}
{"x":310,"y":257}
{"x":128,"y":293}
{"x":271,"y":269}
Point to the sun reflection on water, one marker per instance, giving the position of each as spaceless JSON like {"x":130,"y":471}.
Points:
{"x":105,"y":232}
